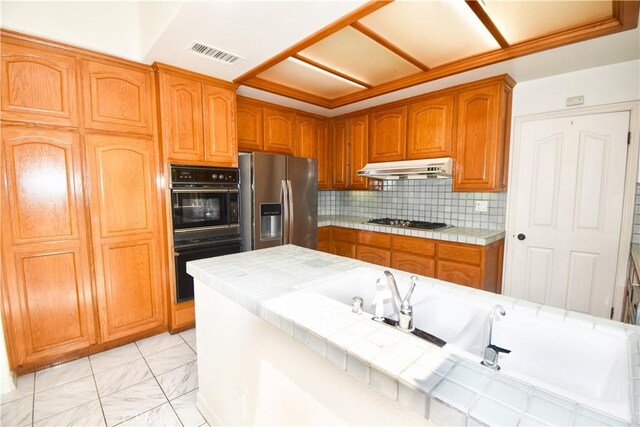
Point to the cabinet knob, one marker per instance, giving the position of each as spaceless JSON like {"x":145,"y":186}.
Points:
{"x":521,"y":236}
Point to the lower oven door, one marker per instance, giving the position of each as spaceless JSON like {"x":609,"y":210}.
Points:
{"x":184,"y":282}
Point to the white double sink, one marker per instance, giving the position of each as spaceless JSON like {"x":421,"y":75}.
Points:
{"x":588,"y":366}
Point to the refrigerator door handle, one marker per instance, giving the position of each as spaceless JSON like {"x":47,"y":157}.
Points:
{"x":291,"y":219}
{"x":285,"y":208}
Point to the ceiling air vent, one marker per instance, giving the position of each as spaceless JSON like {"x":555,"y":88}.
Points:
{"x":213,"y":53}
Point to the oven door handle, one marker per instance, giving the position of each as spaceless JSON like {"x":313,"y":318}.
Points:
{"x":285,"y":205}
{"x":199,"y":190}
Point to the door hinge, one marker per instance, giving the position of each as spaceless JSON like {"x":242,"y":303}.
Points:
{"x":628,"y":138}
{"x":611,"y":316}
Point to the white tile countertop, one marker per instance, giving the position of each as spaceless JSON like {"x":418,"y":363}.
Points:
{"x":475,"y":236}
{"x":276,"y":284}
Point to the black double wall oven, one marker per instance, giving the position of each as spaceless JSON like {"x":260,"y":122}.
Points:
{"x":205,"y":218}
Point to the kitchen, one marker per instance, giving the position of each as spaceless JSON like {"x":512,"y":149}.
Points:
{"x":108,"y":237}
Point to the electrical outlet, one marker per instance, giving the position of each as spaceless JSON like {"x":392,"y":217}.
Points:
{"x":482,"y":206}
{"x":575,"y":100}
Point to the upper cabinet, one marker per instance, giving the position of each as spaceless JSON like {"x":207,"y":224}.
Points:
{"x":339,"y":153}
{"x":482,"y":142}
{"x":39,"y":86}
{"x":278,"y":130}
{"x":430,"y":128}
{"x":323,"y":141}
{"x":306,"y":138}
{"x":388,"y":138}
{"x":358,"y":150}
{"x":117,"y":97}
{"x":250,"y":137}
{"x":198,"y":118}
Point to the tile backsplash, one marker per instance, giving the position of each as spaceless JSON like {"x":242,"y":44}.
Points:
{"x":635,"y":238}
{"x":422,"y":200}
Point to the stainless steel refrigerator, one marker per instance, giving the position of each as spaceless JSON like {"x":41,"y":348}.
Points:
{"x":278,"y":201}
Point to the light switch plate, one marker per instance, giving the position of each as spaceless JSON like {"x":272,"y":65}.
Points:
{"x":482,"y":206}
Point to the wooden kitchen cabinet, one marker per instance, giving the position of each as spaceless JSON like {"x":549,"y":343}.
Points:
{"x":462,"y":274}
{"x":324,"y":239}
{"x":358,"y":138}
{"x":413,"y":263}
{"x":344,"y":241}
{"x":339,"y":153}
{"x":39,"y":85}
{"x":198,"y":118}
{"x":126,"y":234}
{"x":388,"y":137}
{"x":431,"y":125}
{"x":117,"y":97}
{"x":324,"y":154}
{"x":373,"y":255}
{"x":482,"y":136}
{"x":250,"y":136}
{"x":278,"y":130}
{"x":306,"y":143}
{"x":47,"y":291}
{"x":220,"y":136}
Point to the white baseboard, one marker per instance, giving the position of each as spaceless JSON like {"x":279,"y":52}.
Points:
{"x":207,"y":411}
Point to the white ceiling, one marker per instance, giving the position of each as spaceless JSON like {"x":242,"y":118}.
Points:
{"x":148,"y":31}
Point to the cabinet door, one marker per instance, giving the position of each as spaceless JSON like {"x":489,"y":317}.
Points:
{"x":461,"y":274}
{"x":306,"y":142}
{"x":250,"y":135}
{"x":38,"y":86}
{"x":430,"y":128}
{"x":278,"y":131}
{"x":324,"y":154}
{"x":344,"y":249}
{"x":117,"y":97}
{"x":388,"y":139}
{"x":339,"y":150}
{"x":46,"y":266}
{"x":480,"y":139}
{"x":126,"y":235}
{"x":414,"y":264}
{"x":358,"y":149}
{"x":181,"y":107}
{"x":220,"y":146}
{"x":373,"y":255}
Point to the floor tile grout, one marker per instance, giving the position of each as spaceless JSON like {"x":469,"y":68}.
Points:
{"x":104,"y":417}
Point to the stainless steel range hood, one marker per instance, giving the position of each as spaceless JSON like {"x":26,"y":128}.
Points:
{"x":410,"y":169}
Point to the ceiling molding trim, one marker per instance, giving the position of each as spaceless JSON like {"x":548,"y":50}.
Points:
{"x":387,"y":44}
{"x":486,"y":20}
{"x":331,"y":70}
{"x":626,"y":12}
{"x":279,"y":89}
{"x":345,"y":21}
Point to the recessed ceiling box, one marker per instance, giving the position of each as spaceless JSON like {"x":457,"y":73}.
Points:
{"x":409,"y":169}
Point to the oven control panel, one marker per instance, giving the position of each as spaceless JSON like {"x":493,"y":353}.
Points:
{"x":203,"y":176}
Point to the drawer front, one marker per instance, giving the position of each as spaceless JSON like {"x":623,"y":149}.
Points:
{"x":460,"y":274}
{"x":415,"y":245}
{"x":414,"y":264}
{"x":345,"y":249}
{"x":468,"y":254}
{"x":324,"y":233}
{"x":373,"y":255}
{"x":371,"y":238}
{"x":324,"y":246}
{"x":344,"y":234}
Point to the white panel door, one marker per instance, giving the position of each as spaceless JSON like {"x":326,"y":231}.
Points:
{"x":569,"y":195}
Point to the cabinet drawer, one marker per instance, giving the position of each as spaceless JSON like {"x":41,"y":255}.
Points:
{"x":461,"y":274}
{"x":344,"y":234}
{"x":371,"y":238}
{"x":373,"y":255}
{"x":345,"y":249}
{"x":324,"y":233}
{"x":460,"y":253}
{"x":324,"y":246}
{"x":414,"y":245}
{"x":413,"y":264}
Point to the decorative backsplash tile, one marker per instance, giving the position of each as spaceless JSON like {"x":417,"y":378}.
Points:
{"x":636,"y":218}
{"x":422,"y":200}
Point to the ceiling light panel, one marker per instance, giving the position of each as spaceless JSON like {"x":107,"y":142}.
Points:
{"x":307,"y":78}
{"x":356,"y":55}
{"x":434,"y":32}
{"x":523,"y":20}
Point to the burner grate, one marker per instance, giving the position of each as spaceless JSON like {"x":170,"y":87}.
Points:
{"x":425,"y":225}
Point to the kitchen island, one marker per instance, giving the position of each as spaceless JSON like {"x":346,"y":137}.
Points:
{"x":272,"y":349}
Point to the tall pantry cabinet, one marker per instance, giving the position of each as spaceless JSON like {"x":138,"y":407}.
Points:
{"x":82,"y":241}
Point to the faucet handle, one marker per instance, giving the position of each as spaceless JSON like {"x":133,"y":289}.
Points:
{"x":406,"y":302}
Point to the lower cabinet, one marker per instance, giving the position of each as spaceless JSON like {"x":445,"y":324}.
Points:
{"x":464,"y":264}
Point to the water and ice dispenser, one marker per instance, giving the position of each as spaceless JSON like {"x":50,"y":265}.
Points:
{"x":270,"y":221}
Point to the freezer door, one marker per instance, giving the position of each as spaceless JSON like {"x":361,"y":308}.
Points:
{"x":265,"y":227}
{"x":302,"y":174}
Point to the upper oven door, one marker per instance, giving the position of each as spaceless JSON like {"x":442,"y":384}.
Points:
{"x":199,"y":207}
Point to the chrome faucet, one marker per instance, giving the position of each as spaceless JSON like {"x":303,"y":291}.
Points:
{"x":403,"y":307}
{"x":491,"y":351}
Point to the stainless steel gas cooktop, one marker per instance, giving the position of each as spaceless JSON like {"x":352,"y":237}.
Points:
{"x":425,"y":225}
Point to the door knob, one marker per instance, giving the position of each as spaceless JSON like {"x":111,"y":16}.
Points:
{"x":521,"y":236}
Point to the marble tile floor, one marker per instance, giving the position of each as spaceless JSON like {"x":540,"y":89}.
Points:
{"x":152,"y":382}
